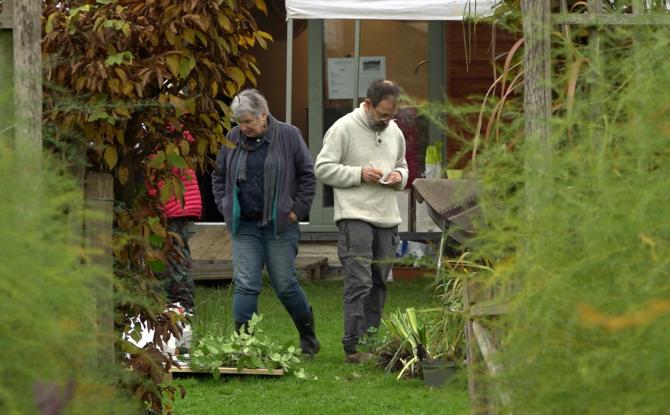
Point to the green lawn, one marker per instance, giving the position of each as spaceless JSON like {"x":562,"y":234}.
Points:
{"x":331,"y":387}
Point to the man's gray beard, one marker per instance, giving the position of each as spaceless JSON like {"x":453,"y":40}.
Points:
{"x":377,"y":126}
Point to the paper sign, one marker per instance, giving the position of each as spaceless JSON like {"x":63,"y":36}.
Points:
{"x":341,"y":75}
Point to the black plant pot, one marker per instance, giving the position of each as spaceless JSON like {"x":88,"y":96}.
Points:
{"x":437,"y":372}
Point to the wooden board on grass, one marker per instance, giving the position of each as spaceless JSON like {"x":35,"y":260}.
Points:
{"x":230,"y":371}
{"x":309,"y":268}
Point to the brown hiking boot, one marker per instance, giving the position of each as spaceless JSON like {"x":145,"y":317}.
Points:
{"x":359,"y":357}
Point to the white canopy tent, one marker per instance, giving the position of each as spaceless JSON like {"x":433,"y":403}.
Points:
{"x":387,"y":9}
{"x":373,"y":9}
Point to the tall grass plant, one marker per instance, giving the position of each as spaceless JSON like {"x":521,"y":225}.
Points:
{"x":52,"y":351}
{"x":587,"y":247}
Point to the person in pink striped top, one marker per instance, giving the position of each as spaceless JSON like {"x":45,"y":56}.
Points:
{"x":177,"y":279}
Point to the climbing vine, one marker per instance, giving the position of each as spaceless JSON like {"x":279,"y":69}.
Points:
{"x":140,"y":89}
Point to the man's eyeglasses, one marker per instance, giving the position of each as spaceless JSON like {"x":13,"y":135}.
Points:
{"x":382,"y":116}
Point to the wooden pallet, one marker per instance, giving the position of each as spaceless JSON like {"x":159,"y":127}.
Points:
{"x":312,"y":268}
{"x":226,"y":371}
{"x":212,"y":269}
{"x":308,"y":268}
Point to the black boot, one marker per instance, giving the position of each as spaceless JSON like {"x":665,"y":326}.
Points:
{"x":308,"y":342}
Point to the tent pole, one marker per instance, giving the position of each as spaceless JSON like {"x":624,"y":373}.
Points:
{"x":289,"y":69}
{"x":357,"y":59}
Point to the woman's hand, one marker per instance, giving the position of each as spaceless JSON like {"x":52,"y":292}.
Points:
{"x":292,"y":217}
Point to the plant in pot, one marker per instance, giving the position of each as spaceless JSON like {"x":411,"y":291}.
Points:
{"x":413,"y":337}
{"x":411,"y":267}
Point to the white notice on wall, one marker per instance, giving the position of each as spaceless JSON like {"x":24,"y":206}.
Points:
{"x":341,"y":75}
{"x":340,"y":78}
{"x":371,"y":69}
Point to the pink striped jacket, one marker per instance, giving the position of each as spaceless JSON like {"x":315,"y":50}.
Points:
{"x":192,"y":201}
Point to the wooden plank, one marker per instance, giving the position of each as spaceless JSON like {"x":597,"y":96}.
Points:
{"x":650,"y":19}
{"x":213,"y":244}
{"x":470,"y":352}
{"x":204,"y":269}
{"x":488,"y":349}
{"x":478,"y":385}
{"x":6,"y":15}
{"x":489,"y":308}
{"x":310,"y":268}
{"x":205,"y":241}
{"x":222,"y":249}
{"x":230,"y":371}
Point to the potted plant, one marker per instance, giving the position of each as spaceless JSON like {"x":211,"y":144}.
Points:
{"x":414,"y":345}
{"x":412,"y":266}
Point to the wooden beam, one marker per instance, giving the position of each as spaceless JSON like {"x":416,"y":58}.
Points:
{"x":537,"y":61}
{"x":487,"y":346}
{"x":537,"y":101}
{"x":6,"y":70}
{"x":27,"y":35}
{"x":6,"y":15}
{"x":231,"y":371}
{"x":489,"y":308}
{"x":602,"y":19}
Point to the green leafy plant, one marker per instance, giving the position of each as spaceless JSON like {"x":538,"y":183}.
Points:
{"x":456,"y":272}
{"x":412,"y":336}
{"x":244,"y":349}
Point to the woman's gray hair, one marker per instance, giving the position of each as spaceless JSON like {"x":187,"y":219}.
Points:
{"x":249,"y":101}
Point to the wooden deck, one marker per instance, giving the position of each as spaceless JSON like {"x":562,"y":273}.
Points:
{"x":211,"y":252}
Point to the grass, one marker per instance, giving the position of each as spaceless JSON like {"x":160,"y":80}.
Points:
{"x":331,"y":387}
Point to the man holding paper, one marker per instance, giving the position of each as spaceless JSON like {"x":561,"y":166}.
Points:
{"x":363,"y":158}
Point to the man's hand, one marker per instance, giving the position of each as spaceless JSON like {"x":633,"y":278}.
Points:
{"x":292,"y":217}
{"x":392,"y":179}
{"x":371,"y":174}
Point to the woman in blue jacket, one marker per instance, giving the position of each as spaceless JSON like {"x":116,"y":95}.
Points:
{"x":263,"y":185}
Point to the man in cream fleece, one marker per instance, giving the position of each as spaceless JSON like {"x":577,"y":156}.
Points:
{"x":363,"y":158}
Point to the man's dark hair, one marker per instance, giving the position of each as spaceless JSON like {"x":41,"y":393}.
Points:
{"x":382,"y":89}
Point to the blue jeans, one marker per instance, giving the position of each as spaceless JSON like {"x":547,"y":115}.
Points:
{"x":253,"y":247}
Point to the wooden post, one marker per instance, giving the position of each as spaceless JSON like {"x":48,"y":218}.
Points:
{"x":477,"y":403}
{"x":6,"y":70}
{"x":98,"y":222}
{"x":21,"y":89}
{"x":537,"y":63}
{"x":27,"y":36}
{"x":536,"y":18}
